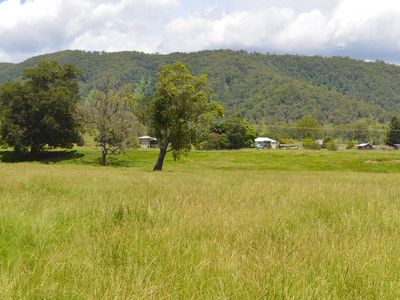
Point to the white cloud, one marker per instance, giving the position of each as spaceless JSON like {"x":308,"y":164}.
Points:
{"x":38,"y":26}
{"x":348,"y":25}
{"x":366,"y":29}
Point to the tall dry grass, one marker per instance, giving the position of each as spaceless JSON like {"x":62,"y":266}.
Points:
{"x":86,"y":232}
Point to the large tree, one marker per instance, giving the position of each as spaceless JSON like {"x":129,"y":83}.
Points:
{"x":181,"y":102}
{"x":108,"y":114}
{"x":360,"y":130}
{"x":38,"y":112}
{"x":393,"y":135}
{"x":308,"y":127}
{"x":232,"y":133}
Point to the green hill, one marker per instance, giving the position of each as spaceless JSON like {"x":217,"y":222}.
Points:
{"x":376,"y":82}
{"x":261,"y":87}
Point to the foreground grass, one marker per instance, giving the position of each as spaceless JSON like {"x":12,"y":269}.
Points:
{"x":79,"y":231}
{"x":246,"y":160}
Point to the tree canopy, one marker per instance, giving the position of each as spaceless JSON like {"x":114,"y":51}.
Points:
{"x":231,"y":133}
{"x":308,"y":127}
{"x":181,"y":101}
{"x":393,"y":135}
{"x":38,"y":112}
{"x":108,"y":114}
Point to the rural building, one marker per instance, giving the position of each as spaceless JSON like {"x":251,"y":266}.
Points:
{"x":289,"y":146}
{"x":265,"y":143}
{"x":148,"y":142}
{"x":365,"y":146}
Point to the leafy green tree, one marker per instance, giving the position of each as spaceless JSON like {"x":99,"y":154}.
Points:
{"x":329,"y":143}
{"x":308,"y":128}
{"x":39,"y":112}
{"x":350,"y":145}
{"x":360,"y":130}
{"x":331,"y":146}
{"x":180,"y":102}
{"x":377,"y":133}
{"x":108,"y":115}
{"x":235,"y":133}
{"x":326,"y":141}
{"x":311,"y":144}
{"x":393,"y":135}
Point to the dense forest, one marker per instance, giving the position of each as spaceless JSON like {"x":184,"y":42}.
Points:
{"x":263,"y":88}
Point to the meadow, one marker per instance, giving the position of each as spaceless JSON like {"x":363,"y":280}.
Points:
{"x":242,"y":224}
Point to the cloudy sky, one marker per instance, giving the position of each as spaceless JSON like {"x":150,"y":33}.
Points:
{"x":365,"y":29}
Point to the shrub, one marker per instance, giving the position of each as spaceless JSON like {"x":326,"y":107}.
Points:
{"x":326,"y":141}
{"x":350,"y":145}
{"x":310,"y":144}
{"x":288,"y":141}
{"x":331,"y":146}
{"x":80,"y":142}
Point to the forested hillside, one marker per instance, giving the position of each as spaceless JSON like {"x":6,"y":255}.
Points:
{"x":263,"y":88}
{"x":376,"y":82}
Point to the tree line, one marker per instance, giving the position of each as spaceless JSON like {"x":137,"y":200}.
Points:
{"x":45,"y":110}
{"x":360,"y":131}
{"x":262,"y":88}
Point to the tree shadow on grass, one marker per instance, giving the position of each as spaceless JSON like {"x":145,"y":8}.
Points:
{"x":48,"y":157}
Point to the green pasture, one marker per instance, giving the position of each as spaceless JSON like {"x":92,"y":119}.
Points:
{"x":246,"y":160}
{"x":215,"y":225}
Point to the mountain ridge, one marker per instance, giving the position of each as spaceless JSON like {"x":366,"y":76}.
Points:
{"x":263,"y":88}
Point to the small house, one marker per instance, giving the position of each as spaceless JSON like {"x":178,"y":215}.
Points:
{"x":365,"y":146}
{"x":147,"y":142}
{"x":265,"y":143}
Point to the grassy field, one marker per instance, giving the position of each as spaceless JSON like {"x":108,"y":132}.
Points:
{"x":243,"y":224}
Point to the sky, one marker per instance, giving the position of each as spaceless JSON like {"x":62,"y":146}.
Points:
{"x":362,"y":29}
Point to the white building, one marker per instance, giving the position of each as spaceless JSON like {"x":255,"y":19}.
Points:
{"x":148,"y":142}
{"x":365,"y":146}
{"x":265,"y":143}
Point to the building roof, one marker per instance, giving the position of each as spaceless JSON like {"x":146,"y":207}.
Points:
{"x":147,"y":138}
{"x":265,"y":139}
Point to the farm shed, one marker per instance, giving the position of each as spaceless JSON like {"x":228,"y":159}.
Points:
{"x":265,"y":143}
{"x":148,"y":142}
{"x":365,"y":146}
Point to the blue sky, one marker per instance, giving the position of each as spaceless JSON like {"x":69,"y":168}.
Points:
{"x":364,"y":29}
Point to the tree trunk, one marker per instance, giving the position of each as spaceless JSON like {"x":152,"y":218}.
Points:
{"x":163,"y":152}
{"x":103,"y":157}
{"x":35,"y":150}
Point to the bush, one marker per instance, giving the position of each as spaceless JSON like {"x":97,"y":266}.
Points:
{"x":350,"y":145}
{"x":310,"y":144}
{"x":232,"y":133}
{"x":331,"y":146}
{"x":288,"y":141}
{"x":326,"y":141}
{"x":80,"y":142}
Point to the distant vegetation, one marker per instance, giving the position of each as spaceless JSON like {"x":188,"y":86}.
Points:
{"x":308,"y":99}
{"x":264,"y":89}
